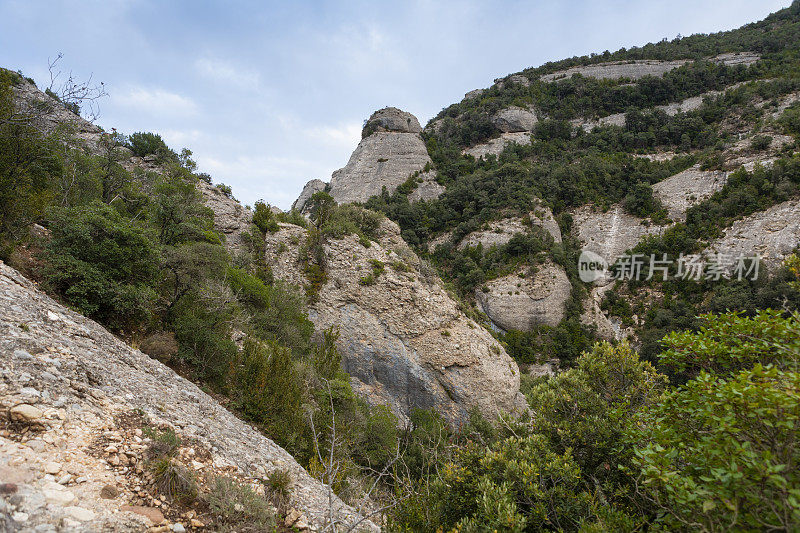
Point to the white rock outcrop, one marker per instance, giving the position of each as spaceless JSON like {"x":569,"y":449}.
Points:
{"x":514,"y":119}
{"x":526,"y":298}
{"x":308,"y":191}
{"x":685,"y":189}
{"x":610,"y":233}
{"x":390,"y":153}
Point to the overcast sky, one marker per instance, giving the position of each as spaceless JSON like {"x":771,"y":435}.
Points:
{"x":271,"y":94}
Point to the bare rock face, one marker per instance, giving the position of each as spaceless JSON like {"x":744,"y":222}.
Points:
{"x":52,"y":115}
{"x":514,"y":119}
{"x":685,"y":189}
{"x":393,"y":119}
{"x":230,"y":217}
{"x":384,"y":159}
{"x":308,"y":191}
{"x":610,"y":233}
{"x":513,"y":79}
{"x":80,"y":383}
{"x":498,"y":144}
{"x":474,"y":93}
{"x":773,"y":234}
{"x":618,"y":69}
{"x":404,"y":341}
{"x":522,"y":300}
{"x":427,"y":189}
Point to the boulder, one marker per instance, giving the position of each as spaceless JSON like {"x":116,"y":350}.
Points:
{"x":525,"y":299}
{"x":403,"y":339}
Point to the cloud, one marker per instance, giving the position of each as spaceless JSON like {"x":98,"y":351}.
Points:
{"x":156,"y":102}
{"x":274,"y":178}
{"x":343,"y":136}
{"x":181,"y":138}
{"x":223,"y":71}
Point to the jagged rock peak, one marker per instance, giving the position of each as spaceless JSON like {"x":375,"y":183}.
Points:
{"x":391,"y":119}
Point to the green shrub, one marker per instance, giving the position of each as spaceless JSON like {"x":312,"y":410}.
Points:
{"x":760,"y":142}
{"x":173,"y":480}
{"x":729,"y":343}
{"x":145,"y":143}
{"x":721,"y":455}
{"x":103,"y":264}
{"x":264,"y":218}
{"x":269,"y":390}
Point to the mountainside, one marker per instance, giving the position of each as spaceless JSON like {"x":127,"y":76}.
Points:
{"x":516,"y":318}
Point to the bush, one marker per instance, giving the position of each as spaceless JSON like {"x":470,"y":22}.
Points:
{"x":516,"y":485}
{"x":722,"y":454}
{"x":729,"y":343}
{"x":237,"y":507}
{"x":264,"y":218}
{"x":103,"y":264}
{"x":760,"y":142}
{"x":145,"y":143}
{"x":269,"y":390}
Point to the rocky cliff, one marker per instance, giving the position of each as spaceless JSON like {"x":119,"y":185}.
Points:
{"x":404,"y":340}
{"x":73,"y":402}
{"x":390,"y":152}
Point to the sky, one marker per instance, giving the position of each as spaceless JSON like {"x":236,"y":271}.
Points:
{"x":269,"y":95}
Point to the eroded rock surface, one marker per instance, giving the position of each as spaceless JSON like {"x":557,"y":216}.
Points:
{"x":773,"y":234}
{"x":685,"y":189}
{"x":499,"y":232}
{"x":618,"y":69}
{"x":308,"y":191}
{"x":404,"y":341}
{"x":514,"y":119}
{"x":610,"y":233}
{"x":527,"y":298}
{"x":230,"y":217}
{"x":80,"y":377}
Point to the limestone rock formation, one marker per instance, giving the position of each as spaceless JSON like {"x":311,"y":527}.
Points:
{"x":773,"y":234}
{"x":404,"y":341}
{"x":499,"y":232}
{"x":514,"y":119}
{"x":389,"y":154}
{"x":687,"y":188}
{"x":51,"y":114}
{"x":526,"y":298}
{"x":618,"y":69}
{"x":80,"y":384}
{"x":230,"y":217}
{"x":308,"y":191}
{"x":393,"y":119}
{"x":427,"y":188}
{"x":610,"y":233}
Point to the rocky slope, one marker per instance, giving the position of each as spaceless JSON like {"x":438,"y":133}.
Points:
{"x":404,"y":340}
{"x":69,"y":385}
